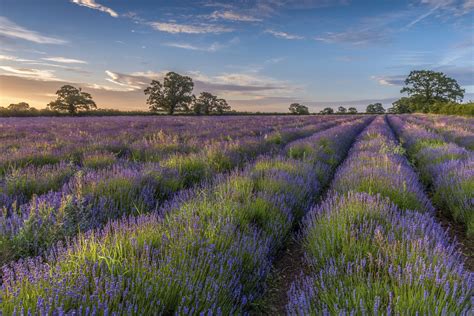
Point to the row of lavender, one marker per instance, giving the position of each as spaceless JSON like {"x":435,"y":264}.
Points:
{"x":60,"y":200}
{"x":446,"y":167}
{"x":210,"y":252}
{"x":373,"y":246}
{"x":40,"y":141}
{"x":453,"y":129}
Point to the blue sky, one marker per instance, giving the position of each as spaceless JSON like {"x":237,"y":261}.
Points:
{"x":260,"y":55}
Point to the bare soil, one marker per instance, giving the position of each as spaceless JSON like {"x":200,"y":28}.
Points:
{"x":458,"y":232}
{"x":288,"y":266}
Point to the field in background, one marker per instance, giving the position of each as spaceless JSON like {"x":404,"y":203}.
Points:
{"x":189,"y":215}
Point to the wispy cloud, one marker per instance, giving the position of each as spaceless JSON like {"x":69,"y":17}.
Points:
{"x":13,"y":58}
{"x":175,"y":28}
{"x":355,"y":37}
{"x":13,"y":30}
{"x":424,"y":15}
{"x":131,"y":82}
{"x":234,"y":16}
{"x":444,"y":7}
{"x":211,"y":48}
{"x":468,"y":6}
{"x":284,"y":35}
{"x":94,"y":5}
{"x":30,"y":73}
{"x":397,"y":80}
{"x":64,"y":60}
{"x":230,"y":84}
{"x":205,"y":48}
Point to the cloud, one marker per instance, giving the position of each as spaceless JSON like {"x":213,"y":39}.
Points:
{"x":175,"y":28}
{"x":449,"y":7}
{"x":127,"y":82}
{"x":14,"y":58}
{"x":468,"y":6}
{"x":284,"y":35}
{"x":234,"y":16}
{"x":397,"y":80}
{"x":222,"y":83}
{"x":30,"y":73}
{"x":211,"y":48}
{"x":355,"y":37}
{"x":13,"y":30}
{"x":65,"y":60}
{"x":422,"y":17}
{"x":275,"y":60}
{"x":93,"y":5}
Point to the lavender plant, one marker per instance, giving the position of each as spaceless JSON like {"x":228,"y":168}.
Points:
{"x":115,"y":190}
{"x":367,"y":253}
{"x":208,"y":251}
{"x":445,"y":167}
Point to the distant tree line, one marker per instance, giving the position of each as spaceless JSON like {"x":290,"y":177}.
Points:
{"x":428,"y":92}
{"x":375,"y":108}
{"x":171,"y":96}
{"x":299,"y":109}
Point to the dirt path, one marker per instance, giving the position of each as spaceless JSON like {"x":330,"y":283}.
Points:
{"x":458,"y":232}
{"x":288,"y":265}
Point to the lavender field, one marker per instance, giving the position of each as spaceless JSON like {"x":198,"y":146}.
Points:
{"x":195,"y":215}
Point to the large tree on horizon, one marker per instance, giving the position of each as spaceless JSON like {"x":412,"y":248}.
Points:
{"x":72,"y":100}
{"x":431,"y":86}
{"x":173,"y":95}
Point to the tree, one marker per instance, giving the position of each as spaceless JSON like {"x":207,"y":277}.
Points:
{"x":171,"y":96}
{"x":22,"y":106}
{"x":298,"y":109}
{"x":375,"y":108}
{"x":326,"y":111}
{"x":341,"y":110}
{"x":352,"y":110}
{"x":403,"y":105}
{"x":430,"y":86}
{"x":208,"y":103}
{"x":222,"y":106}
{"x":72,"y":99}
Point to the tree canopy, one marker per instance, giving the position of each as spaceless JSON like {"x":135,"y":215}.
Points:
{"x":175,"y":94}
{"x":430,"y":86}
{"x":327,"y":111}
{"x":352,"y":110}
{"x":208,"y":103}
{"x":375,"y":108}
{"x":428,"y":91}
{"x":298,"y":109}
{"x":72,"y":100}
{"x":22,"y":106}
{"x":341,"y":110}
{"x":403,"y":105}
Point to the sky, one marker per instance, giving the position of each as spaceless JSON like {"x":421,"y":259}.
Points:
{"x":260,"y":55}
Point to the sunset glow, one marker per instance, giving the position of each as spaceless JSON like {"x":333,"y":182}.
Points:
{"x":260,"y":55}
